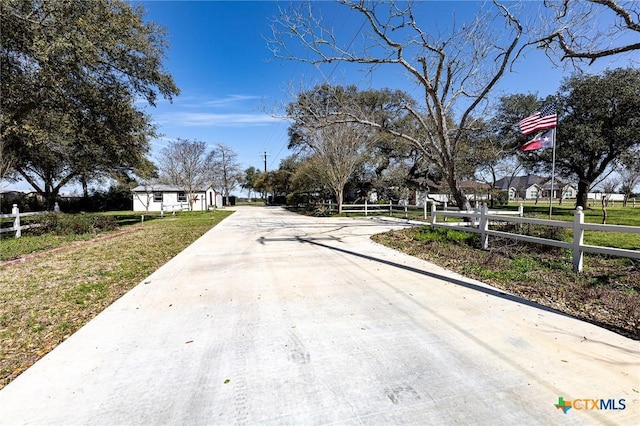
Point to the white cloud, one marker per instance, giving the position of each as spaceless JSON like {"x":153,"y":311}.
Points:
{"x":204,"y":119}
{"x":230,"y":100}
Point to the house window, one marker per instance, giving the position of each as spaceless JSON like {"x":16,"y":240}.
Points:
{"x":157,"y":197}
{"x":569,"y":193}
{"x":182,"y":197}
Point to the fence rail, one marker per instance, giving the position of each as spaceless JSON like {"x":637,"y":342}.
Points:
{"x":173,"y":208}
{"x":482,"y":218}
{"x":376,"y":208}
{"x":16,"y":215}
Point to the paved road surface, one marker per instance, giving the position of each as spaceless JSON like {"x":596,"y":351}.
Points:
{"x":273,"y":318}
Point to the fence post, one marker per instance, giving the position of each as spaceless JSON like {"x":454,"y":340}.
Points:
{"x":365,"y":207}
{"x":433,"y":215}
{"x":578,"y":237}
{"x":16,"y":221}
{"x":56,"y":207}
{"x":425,"y":209}
{"x":390,"y":207}
{"x":161,"y":209}
{"x":484,"y":226}
{"x":521,"y":210}
{"x":405,"y":211}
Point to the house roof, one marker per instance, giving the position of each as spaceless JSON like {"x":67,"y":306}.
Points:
{"x":471,"y":184}
{"x":519,"y":182}
{"x":162,"y":188}
{"x":556,"y":184}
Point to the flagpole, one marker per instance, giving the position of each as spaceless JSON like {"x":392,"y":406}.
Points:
{"x":553,"y":173}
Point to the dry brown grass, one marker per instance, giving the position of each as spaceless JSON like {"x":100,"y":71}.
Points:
{"x":607,"y":293}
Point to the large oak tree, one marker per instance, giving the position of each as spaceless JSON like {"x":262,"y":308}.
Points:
{"x":71,"y":74}
{"x":599,"y":125}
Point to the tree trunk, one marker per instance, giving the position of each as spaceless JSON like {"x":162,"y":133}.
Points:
{"x":581,"y":197}
{"x":50,"y":198}
{"x":604,"y":210}
{"x":85,"y":186}
{"x":458,"y":195}
{"x":339,"y":195}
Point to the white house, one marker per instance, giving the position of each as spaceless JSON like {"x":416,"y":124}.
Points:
{"x":532,"y":187}
{"x":560,"y":190}
{"x":157,"y":197}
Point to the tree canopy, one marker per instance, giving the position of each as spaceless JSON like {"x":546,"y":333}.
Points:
{"x":71,"y":75}
{"x":598,"y":127}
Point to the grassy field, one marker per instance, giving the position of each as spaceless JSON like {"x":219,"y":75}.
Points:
{"x":45,"y":299}
{"x":615,"y":216}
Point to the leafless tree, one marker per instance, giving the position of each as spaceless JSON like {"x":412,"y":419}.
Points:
{"x":608,"y":187}
{"x":586,"y":30}
{"x":456,"y":69}
{"x":334,"y":154}
{"x":145,"y":197}
{"x":223,"y":169}
{"x":183,"y":164}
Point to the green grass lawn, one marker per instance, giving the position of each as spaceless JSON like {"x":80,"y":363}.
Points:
{"x":47,"y":298}
{"x":628,"y":216}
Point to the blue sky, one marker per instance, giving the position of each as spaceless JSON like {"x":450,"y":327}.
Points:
{"x":229,"y":80}
{"x":219,"y":59}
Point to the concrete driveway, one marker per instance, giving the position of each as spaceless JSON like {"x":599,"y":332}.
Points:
{"x":274,"y":318}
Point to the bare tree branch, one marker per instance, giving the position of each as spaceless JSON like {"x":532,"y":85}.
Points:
{"x":456,"y":70}
{"x":579,"y":29}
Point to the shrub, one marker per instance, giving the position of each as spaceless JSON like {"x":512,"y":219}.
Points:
{"x":445,"y":235}
{"x":501,"y":199}
{"x":69,"y":224}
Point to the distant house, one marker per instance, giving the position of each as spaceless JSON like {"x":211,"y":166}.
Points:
{"x":523,"y":187}
{"x":560,"y":190}
{"x":532,"y":187}
{"x":158,"y":197}
{"x":475,"y":192}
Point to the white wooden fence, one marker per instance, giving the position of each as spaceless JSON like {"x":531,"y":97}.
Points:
{"x":173,"y":208}
{"x":16,"y":215}
{"x":376,"y":208}
{"x":483,"y":217}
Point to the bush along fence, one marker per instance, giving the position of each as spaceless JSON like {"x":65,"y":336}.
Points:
{"x":16,"y":215}
{"x":481,"y":219}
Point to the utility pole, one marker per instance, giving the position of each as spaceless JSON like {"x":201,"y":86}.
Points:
{"x":264,"y":194}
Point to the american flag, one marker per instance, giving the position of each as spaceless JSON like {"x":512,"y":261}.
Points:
{"x":545,"y":119}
